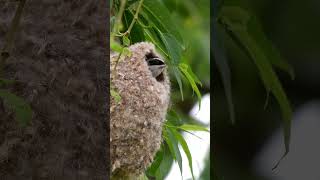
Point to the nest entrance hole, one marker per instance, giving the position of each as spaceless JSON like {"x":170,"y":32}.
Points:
{"x":160,"y":77}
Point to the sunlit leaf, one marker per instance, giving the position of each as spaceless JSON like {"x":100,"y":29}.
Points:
{"x":173,"y":147}
{"x":194,"y":77}
{"x":192,"y":127}
{"x":185,"y":148}
{"x":184,"y":69}
{"x":126,"y":41}
{"x":116,"y":47}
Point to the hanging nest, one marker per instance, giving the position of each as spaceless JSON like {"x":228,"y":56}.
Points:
{"x":138,"y":115}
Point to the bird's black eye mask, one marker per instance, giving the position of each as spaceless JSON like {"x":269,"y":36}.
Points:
{"x":155,"y":61}
{"x":155,"y":64}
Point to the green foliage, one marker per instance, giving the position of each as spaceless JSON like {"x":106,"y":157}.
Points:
{"x":193,"y":80}
{"x":192,"y":127}
{"x":161,"y":30}
{"x":172,"y":139}
{"x":134,"y":21}
{"x":161,"y":164}
{"x":245,"y":30}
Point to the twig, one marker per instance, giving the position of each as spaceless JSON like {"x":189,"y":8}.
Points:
{"x":119,"y":17}
{"x":135,"y":18}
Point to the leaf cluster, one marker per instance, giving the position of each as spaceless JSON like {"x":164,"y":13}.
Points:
{"x":246,"y":32}
{"x":135,"y":21}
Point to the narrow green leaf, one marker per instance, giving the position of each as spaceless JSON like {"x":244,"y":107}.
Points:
{"x":156,"y":163}
{"x":185,"y":148}
{"x":116,"y":47}
{"x":173,"y":48}
{"x":270,"y":80}
{"x":168,"y":142}
{"x":173,"y":118}
{"x":173,"y":147}
{"x":126,"y":41}
{"x":237,"y":25}
{"x":151,"y":35}
{"x":221,"y":61}
{"x":160,"y":16}
{"x":256,"y":32}
{"x":184,"y":69}
{"x":166,"y":163}
{"x":194,"y":77}
{"x":21,"y":108}
{"x":192,"y":127}
{"x":177,"y":75}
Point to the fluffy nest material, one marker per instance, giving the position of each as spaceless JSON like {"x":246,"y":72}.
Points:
{"x":136,"y":120}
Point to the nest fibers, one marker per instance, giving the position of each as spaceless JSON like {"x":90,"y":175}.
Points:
{"x":136,"y":120}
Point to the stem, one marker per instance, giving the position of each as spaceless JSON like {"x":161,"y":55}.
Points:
{"x":135,"y":18}
{"x":119,"y":17}
{"x":117,"y":61}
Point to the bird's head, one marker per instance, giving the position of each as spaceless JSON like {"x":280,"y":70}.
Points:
{"x":156,"y":66}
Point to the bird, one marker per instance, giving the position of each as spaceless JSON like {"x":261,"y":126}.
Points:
{"x":156,"y":66}
{"x":143,"y":84}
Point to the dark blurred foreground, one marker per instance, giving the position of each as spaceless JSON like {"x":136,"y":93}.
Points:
{"x":249,"y":149}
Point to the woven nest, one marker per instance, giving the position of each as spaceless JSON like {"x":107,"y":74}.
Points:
{"x":136,"y":120}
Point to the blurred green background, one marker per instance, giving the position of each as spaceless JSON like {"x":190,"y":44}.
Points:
{"x":293,"y":27}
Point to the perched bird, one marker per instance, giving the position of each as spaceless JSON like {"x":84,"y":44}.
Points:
{"x":136,"y":119}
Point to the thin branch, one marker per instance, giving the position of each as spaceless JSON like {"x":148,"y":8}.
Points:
{"x":119,"y":17}
{"x":135,"y":18}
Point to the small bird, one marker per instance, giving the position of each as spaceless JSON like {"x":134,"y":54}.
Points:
{"x":156,"y":66}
